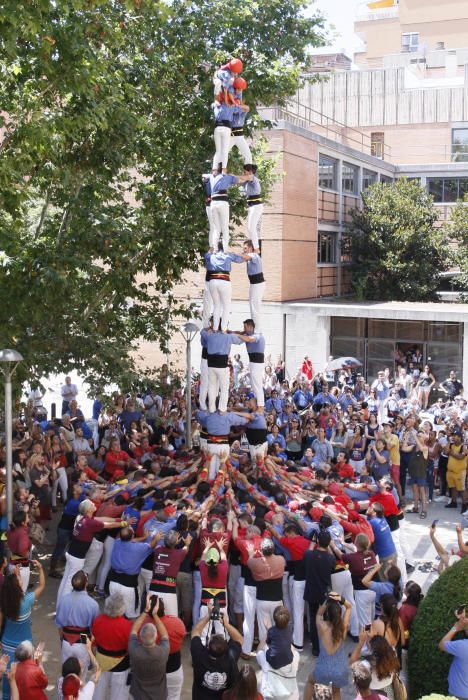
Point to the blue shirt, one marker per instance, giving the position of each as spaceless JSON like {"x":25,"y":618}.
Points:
{"x":97,"y":408}
{"x":302,"y":398}
{"x":127,"y":557}
{"x":253,"y":187}
{"x":259,"y":422}
{"x":220,"y":262}
{"x":325,"y":398}
{"x":238,"y":114}
{"x":153,"y":526}
{"x":76,"y":609}
{"x":222,"y":112}
{"x":218,"y":343}
{"x":223,"y":182}
{"x":276,"y":404}
{"x":380,"y":588}
{"x":217,"y":424}
{"x":383,"y":542}
{"x":271,"y":439}
{"x":257,"y":344}
{"x":254,"y":265}
{"x":458,"y":676}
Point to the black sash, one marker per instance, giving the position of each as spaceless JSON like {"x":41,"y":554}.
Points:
{"x":256,"y":436}
{"x":127,"y":580}
{"x":257,"y":357}
{"x":219,"y":361}
{"x":256,"y":279}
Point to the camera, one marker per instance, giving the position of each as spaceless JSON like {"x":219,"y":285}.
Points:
{"x":216,"y":612}
{"x":153,"y":602}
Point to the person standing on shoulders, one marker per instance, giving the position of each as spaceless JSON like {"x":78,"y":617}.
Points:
{"x":256,"y":279}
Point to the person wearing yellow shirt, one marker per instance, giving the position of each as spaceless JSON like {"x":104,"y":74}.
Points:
{"x":456,"y":470}
{"x":393,"y":446}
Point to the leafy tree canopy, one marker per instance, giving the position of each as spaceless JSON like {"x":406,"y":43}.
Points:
{"x":106,"y":128}
{"x":456,"y":231}
{"x":397,"y":253}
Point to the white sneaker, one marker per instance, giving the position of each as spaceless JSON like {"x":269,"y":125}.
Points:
{"x":441,"y":499}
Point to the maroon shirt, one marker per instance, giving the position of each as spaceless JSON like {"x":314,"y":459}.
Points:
{"x":166,"y":566}
{"x":18,"y":540}
{"x":360,"y":563}
{"x":83,"y":532}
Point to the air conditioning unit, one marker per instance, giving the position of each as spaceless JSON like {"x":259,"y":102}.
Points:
{"x":440,"y":46}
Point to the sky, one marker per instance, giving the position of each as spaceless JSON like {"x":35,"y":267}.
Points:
{"x":341,"y":13}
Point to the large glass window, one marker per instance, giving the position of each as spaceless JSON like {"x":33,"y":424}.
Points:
{"x":348,"y":326}
{"x":328,"y":173}
{"x":349,"y":178}
{"x":460,"y":144}
{"x":369,"y":177}
{"x":387,"y":180}
{"x":447,"y":189}
{"x":326,"y":249}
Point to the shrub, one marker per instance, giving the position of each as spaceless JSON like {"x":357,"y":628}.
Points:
{"x":429,"y":667}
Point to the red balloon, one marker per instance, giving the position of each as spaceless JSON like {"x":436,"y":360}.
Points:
{"x":236,"y":65}
{"x":240,"y":84}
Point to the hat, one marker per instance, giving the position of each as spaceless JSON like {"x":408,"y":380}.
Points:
{"x":71,"y":685}
{"x":212,"y":556}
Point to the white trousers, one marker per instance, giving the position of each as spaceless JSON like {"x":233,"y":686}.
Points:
{"x":256,"y":292}
{"x":221,"y":294}
{"x":218,"y":384}
{"x":92,"y":559}
{"x":25,"y":575}
{"x":365,"y":606}
{"x":144,"y":580}
{"x":170,"y":603}
{"x":222,"y":139}
{"x":197,"y":589}
{"x":203,"y":393}
{"x":211,"y":229}
{"x":218,"y":455}
{"x":128,"y":594}
{"x":62,"y":481}
{"x":401,"y":561}
{"x":298,"y":613}
{"x":250,"y":603}
{"x":112,"y":686}
{"x":175,"y":681}
{"x":80,"y":652}
{"x":220,"y":215}
{"x":242,"y":147}
{"x":72,"y":565}
{"x":408,"y":553}
{"x":256,"y":380}
{"x":289,"y":683}
{"x":342,"y":583}
{"x":234,"y":586}
{"x":254,"y":224}
{"x":286,"y":591}
{"x":265,"y":610}
{"x":105,"y":564}
{"x":207,"y":310}
{"x":258,"y":451}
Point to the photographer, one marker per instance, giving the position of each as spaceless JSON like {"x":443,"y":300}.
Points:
{"x":214,"y":666}
{"x":148,"y":659}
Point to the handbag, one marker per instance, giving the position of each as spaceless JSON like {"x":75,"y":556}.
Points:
{"x":399,"y":690}
{"x":37,"y":533}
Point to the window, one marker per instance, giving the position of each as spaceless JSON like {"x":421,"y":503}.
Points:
{"x":327,"y":173}
{"x":460,"y":145}
{"x":368,"y":179}
{"x":346,"y":249}
{"x":447,"y":189}
{"x":326,"y":249}
{"x":349,"y":179}
{"x":377,"y":144}
{"x":387,"y":180}
{"x":410,"y":42}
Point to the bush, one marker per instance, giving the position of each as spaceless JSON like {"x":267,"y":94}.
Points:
{"x":429,"y":667}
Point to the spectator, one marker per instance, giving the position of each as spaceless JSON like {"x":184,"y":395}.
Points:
{"x":458,"y":648}
{"x":30,"y":676}
{"x":147,"y":658}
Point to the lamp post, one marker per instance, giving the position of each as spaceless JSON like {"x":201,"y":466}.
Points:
{"x":9,"y":360}
{"x":188,"y":331}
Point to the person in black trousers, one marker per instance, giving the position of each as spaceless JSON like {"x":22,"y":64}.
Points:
{"x":319,"y":566}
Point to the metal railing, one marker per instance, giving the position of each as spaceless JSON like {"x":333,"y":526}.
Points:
{"x":365,"y":13}
{"x":306,"y":117}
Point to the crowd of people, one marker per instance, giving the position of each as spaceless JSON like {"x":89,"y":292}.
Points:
{"x":301,"y":544}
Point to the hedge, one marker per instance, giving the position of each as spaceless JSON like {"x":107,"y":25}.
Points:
{"x":429,"y":667}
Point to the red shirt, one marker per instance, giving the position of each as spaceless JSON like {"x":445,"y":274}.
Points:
{"x":31,"y":681}
{"x":90,"y":473}
{"x":19,"y":542}
{"x":387,"y":501}
{"x":110,"y":465}
{"x":296,"y":546}
{"x":346,"y":471}
{"x":167,"y":561}
{"x":86,"y":528}
{"x":218,"y":581}
{"x":241,"y":545}
{"x":112,"y":633}
{"x":175,"y":630}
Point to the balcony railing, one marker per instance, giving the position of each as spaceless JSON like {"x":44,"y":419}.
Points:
{"x":308,"y":118}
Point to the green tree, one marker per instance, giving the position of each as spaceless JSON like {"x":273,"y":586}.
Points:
{"x":106,"y":129}
{"x":456,"y":231}
{"x":397,"y":253}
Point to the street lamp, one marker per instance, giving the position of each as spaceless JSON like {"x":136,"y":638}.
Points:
{"x":9,"y":360}
{"x":188,"y":331}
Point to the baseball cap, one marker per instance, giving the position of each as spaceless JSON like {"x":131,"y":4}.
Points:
{"x":71,"y":685}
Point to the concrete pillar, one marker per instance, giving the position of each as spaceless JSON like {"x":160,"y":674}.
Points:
{"x":464,"y":378}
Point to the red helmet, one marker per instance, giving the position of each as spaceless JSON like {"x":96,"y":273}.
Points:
{"x":235,"y":65}
{"x":239,"y":84}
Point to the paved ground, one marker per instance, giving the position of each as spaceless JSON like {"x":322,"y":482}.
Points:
{"x":417,"y":532}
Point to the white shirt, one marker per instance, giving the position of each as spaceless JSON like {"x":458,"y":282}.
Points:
{"x":81,"y":444}
{"x":69,"y":391}
{"x":36,"y":397}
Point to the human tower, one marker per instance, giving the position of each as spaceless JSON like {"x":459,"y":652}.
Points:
{"x":230,"y":112}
